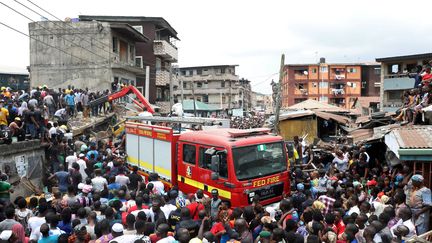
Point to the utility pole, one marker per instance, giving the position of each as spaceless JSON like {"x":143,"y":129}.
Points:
{"x":277,"y":94}
{"x":171,"y":89}
{"x":181,"y":87}
{"x":193,"y":97}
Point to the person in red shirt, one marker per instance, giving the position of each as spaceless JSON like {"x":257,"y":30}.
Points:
{"x":139,"y":205}
{"x":340,"y":226}
{"x":194,"y":207}
{"x":427,"y":77}
{"x":162,"y":231}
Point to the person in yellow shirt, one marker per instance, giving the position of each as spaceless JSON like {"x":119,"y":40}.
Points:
{"x":4,"y":113}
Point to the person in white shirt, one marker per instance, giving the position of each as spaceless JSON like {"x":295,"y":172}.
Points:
{"x":405,"y":216}
{"x":121,"y":178}
{"x":159,"y":187}
{"x":61,"y":114}
{"x":352,"y":203}
{"x":35,"y":222}
{"x":83,"y":166}
{"x":99,"y":182}
{"x":53,"y":130}
{"x":70,"y":159}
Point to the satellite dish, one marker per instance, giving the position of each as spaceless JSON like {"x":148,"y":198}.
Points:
{"x":305,"y":72}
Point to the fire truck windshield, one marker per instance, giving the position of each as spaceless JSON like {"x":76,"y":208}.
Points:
{"x":259,"y":160}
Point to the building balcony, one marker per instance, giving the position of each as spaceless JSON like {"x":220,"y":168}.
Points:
{"x":162,"y":77}
{"x":165,"y":49}
{"x":300,"y":76}
{"x":127,"y":66}
{"x":393,"y":82}
{"x":337,"y":76}
{"x":301,"y":91}
{"x":337,"y":92}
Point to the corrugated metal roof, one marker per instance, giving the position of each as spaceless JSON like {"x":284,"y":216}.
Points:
{"x":361,"y":134}
{"x":311,"y":104}
{"x":330,"y":116}
{"x":416,"y":137}
{"x":286,"y":115}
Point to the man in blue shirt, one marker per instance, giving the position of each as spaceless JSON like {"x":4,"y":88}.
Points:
{"x":70,"y":102}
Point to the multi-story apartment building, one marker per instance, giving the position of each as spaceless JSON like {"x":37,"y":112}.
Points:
{"x":217,"y":85}
{"x":159,"y":53}
{"x":333,"y":83}
{"x":395,"y":78}
{"x":83,"y":54}
{"x":262,"y":102}
{"x":371,"y":79}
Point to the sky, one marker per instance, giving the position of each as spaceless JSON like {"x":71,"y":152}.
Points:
{"x":252,"y":34}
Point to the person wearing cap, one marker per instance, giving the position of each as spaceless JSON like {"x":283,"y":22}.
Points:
{"x":419,"y":198}
{"x":215,"y":202}
{"x":17,"y":129}
{"x":299,"y":197}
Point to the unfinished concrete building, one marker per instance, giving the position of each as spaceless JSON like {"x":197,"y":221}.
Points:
{"x":83,"y":54}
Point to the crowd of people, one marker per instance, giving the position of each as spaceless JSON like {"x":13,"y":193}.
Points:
{"x":43,"y":111}
{"x":96,"y":198}
{"x":247,"y":122}
{"x":339,"y":195}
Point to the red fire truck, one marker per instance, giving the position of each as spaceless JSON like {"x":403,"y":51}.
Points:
{"x":239,"y":163}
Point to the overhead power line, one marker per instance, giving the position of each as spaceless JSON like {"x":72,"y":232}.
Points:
{"x":47,"y":44}
{"x":70,"y":25}
{"x":51,"y":31}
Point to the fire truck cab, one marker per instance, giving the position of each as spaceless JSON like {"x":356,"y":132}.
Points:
{"x":240,"y":164}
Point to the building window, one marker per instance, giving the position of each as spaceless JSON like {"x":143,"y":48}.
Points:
{"x":189,"y":153}
{"x":198,"y":99}
{"x":158,"y":93}
{"x":131,"y":52}
{"x":377,"y":71}
{"x":199,"y":85}
{"x":223,"y":99}
{"x":314,"y":70}
{"x":184,"y":85}
{"x":139,"y":61}
{"x":363,"y":84}
{"x":222,"y":70}
{"x":205,"y":99}
{"x":223,"y":84}
{"x":352,"y":70}
{"x":394,"y":68}
{"x":183,"y":72}
{"x":138,"y":28}
{"x":115,"y":43}
{"x":190,"y":73}
{"x":199,"y":71}
{"x":314,"y":84}
{"x":158,"y":64}
{"x":300,"y":86}
{"x":204,"y":159}
{"x":324,"y":69}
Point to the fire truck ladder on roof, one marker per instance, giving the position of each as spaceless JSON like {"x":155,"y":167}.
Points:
{"x":183,"y":120}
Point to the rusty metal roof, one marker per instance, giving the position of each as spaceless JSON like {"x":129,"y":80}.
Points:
{"x":416,"y":137}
